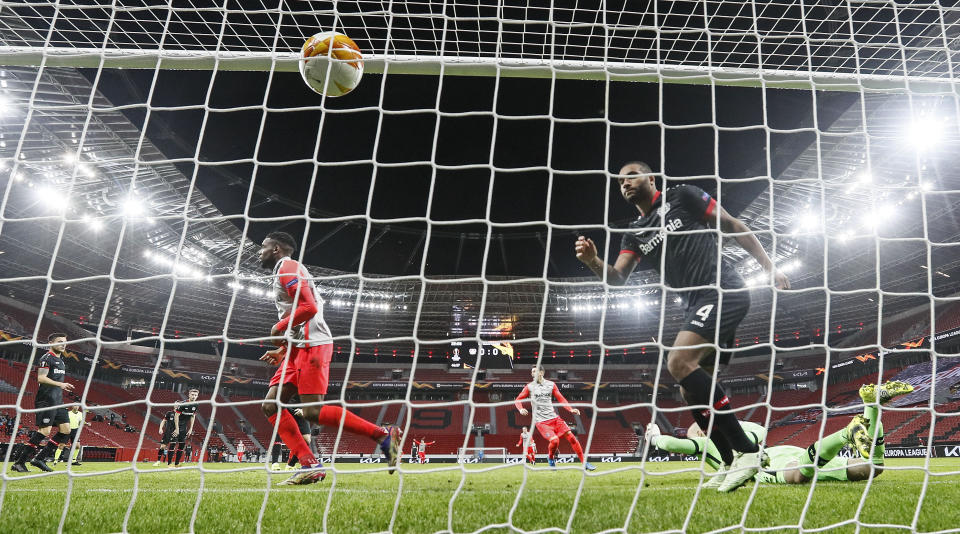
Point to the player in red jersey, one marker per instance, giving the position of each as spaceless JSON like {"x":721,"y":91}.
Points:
{"x":422,"y":449}
{"x":531,"y":449}
{"x":304,"y":365}
{"x":548,"y":423}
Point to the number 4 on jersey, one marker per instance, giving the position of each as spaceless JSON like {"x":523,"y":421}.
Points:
{"x":704,"y":312}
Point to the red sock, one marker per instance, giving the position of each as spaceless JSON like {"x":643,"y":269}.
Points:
{"x":552,"y":448}
{"x":575,"y":444}
{"x":330,"y":416}
{"x":290,"y":434}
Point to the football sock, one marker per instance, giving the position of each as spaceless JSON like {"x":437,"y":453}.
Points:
{"x":575,"y":445}
{"x":293,"y":460}
{"x":698,"y":385}
{"x":290,"y":434}
{"x":552,"y":447}
{"x":872,"y":415}
{"x":330,"y":416}
{"x":30,"y":447}
{"x":822,"y":452}
{"x":879,"y":448}
{"x":169,"y":455}
{"x":53,"y":443}
{"x":58,"y":455}
{"x":159,"y":455}
{"x":76,"y":453}
{"x":179,"y":456}
{"x":720,"y":443}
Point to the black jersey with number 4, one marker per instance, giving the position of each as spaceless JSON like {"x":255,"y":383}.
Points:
{"x":47,"y":394}
{"x":691,"y":259}
{"x":186,"y":411}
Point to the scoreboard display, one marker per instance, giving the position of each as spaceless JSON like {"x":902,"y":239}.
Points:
{"x":487,"y":355}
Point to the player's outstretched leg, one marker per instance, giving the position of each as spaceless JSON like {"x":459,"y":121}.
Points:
{"x":575,"y":445}
{"x":821,"y":452}
{"x":39,"y":461}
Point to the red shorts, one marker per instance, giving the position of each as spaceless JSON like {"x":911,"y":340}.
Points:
{"x":422,"y":455}
{"x":551,"y":428}
{"x":530,"y":450}
{"x":308,"y":369}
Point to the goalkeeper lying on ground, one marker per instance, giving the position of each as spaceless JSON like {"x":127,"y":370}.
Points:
{"x":794,"y":465}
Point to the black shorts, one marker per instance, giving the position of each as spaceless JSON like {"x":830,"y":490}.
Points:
{"x":73,"y":434}
{"x":51,"y":417}
{"x":700,"y":317}
{"x":182,"y":437}
{"x":167,"y":435}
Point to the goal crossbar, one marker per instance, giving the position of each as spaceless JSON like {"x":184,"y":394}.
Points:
{"x":124,"y":58}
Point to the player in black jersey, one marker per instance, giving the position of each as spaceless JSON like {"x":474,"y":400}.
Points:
{"x":166,"y":434}
{"x":690,"y":261}
{"x":51,"y":378}
{"x":186,"y":414}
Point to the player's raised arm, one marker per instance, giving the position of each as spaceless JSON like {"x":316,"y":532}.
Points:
{"x":750,"y":243}
{"x":563,"y":400}
{"x":523,"y":394}
{"x":615,"y":274}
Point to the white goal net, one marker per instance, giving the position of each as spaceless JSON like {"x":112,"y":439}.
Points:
{"x":147,"y":149}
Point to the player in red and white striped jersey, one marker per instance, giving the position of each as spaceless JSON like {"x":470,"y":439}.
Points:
{"x":304,"y":365}
{"x":545,"y":417}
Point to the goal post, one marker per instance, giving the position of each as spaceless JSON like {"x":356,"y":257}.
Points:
{"x":503,"y":67}
{"x":479,"y":455}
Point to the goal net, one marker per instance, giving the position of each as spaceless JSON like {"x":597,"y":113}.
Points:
{"x":148,"y":148}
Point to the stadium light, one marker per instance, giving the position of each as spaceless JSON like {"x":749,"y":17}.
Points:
{"x":70,"y":158}
{"x":925,"y":133}
{"x":95,"y":224}
{"x":926,"y":186}
{"x":133,"y":207}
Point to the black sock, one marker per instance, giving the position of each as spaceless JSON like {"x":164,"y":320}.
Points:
{"x":293,"y":460}
{"x":718,"y":439}
{"x":698,"y":385}
{"x":169,"y":455}
{"x":27,"y":450}
{"x":179,"y":455}
{"x":159,"y":454}
{"x":52,"y":443}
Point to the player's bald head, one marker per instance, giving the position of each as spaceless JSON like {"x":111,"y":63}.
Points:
{"x":635,"y":167}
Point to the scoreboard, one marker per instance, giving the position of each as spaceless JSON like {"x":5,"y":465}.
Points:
{"x":487,"y":354}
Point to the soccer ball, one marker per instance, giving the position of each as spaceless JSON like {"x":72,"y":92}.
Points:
{"x":334,"y":54}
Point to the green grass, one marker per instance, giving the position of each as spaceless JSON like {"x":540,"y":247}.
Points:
{"x":364,"y":500}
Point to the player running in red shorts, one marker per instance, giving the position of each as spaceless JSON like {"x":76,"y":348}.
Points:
{"x":548,"y":423}
{"x":531,"y":449}
{"x":304,"y":365}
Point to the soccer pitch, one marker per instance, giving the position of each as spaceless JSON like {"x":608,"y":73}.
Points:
{"x":364,"y":500}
